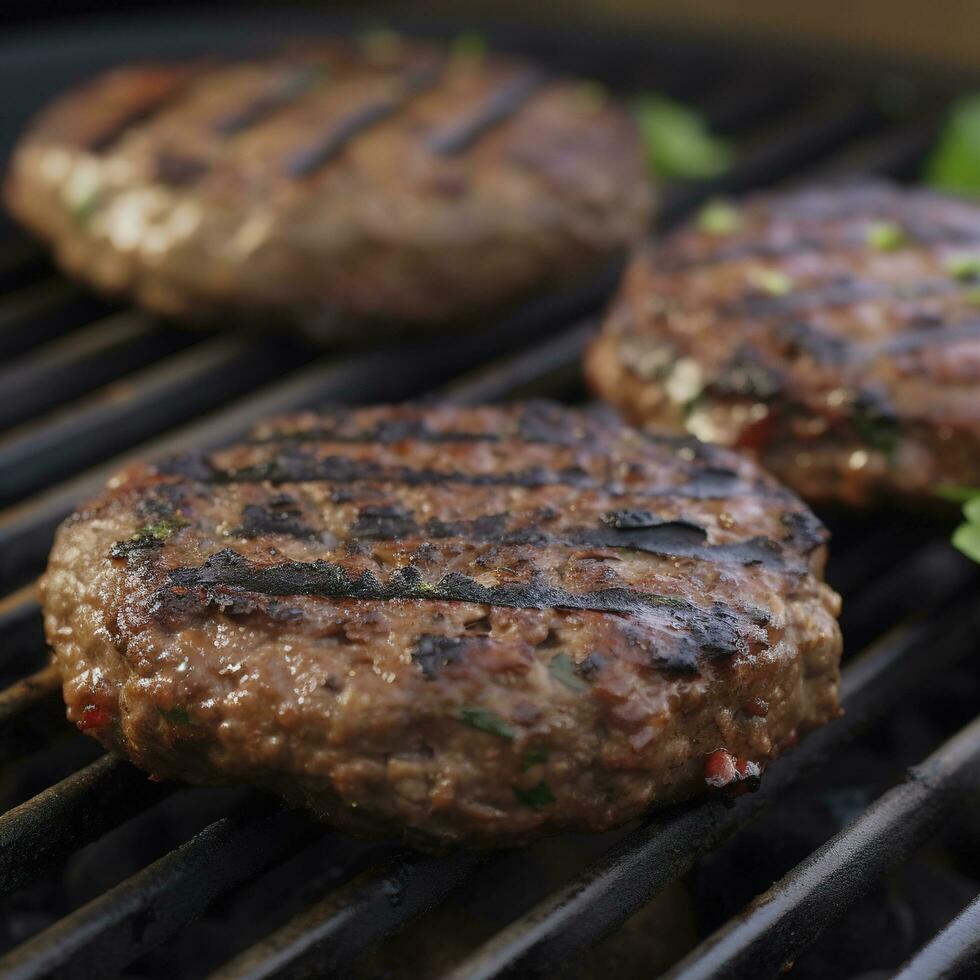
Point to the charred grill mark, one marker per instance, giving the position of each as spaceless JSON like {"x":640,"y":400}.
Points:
{"x":228,"y":580}
{"x":279,"y":516}
{"x":667,"y":539}
{"x":914,"y":340}
{"x":384,"y":523}
{"x":310,"y":159}
{"x":505,"y":101}
{"x":176,"y":170}
{"x":706,"y":483}
{"x":385,"y":433}
{"x":297,"y":82}
{"x":803,"y":338}
{"x":153,"y":104}
{"x":804,"y":530}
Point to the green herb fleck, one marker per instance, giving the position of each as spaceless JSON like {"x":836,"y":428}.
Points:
{"x":957,"y":494}
{"x":771,"y":281}
{"x":875,"y":430}
{"x":535,"y":756}
{"x":176,"y":716}
{"x":83,"y":209}
{"x":562,"y":668}
{"x":966,"y":268}
{"x":486,"y":721}
{"x":719,"y":217}
{"x":955,"y":163}
{"x":678,"y":140}
{"x":150,"y":536}
{"x":967,"y":538}
{"x":469,"y":46}
{"x":972,"y":296}
{"x":886,"y":236}
{"x":537,"y":797}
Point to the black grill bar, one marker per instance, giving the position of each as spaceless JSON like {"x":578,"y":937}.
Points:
{"x":81,"y":362}
{"x":30,"y":710}
{"x":665,"y":847}
{"x":953,"y":954}
{"x":100,"y":938}
{"x":174,"y":391}
{"x":45,"y":829}
{"x":788,"y":917}
{"x":326,"y":938}
{"x":42,"y":312}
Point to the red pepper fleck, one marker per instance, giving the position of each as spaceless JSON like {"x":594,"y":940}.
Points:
{"x":719,"y":768}
{"x":93,"y":716}
{"x":757,"y":436}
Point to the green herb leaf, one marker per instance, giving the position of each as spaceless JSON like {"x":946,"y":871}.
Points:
{"x":886,"y":236}
{"x":678,"y":141}
{"x":971,"y":510}
{"x":150,"y":536}
{"x":966,"y":268}
{"x":537,"y":797}
{"x":469,"y":46}
{"x":84,"y":208}
{"x":719,"y":217}
{"x":486,"y":721}
{"x":955,"y":163}
{"x":957,"y":494}
{"x":535,"y":756}
{"x":875,"y":430}
{"x":967,"y":538}
{"x":562,"y":668}
{"x":772,"y":281}
{"x":176,"y":716}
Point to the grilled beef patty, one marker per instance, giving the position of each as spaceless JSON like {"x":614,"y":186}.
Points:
{"x":391,"y":180}
{"x":834,"y":333}
{"x":465,"y":624}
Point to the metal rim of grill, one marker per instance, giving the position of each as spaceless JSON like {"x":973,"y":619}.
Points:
{"x":87,"y":385}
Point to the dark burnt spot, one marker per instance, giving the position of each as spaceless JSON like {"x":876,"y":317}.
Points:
{"x":385,"y":432}
{"x":342,"y":495}
{"x":391,"y":522}
{"x":178,"y":170}
{"x":634,"y":520}
{"x":805,"y":339}
{"x":805,"y":530}
{"x":486,"y":527}
{"x":592,"y":665}
{"x":547,"y":423}
{"x":746,"y":376}
{"x":433,"y":653}
{"x":276,"y":517}
{"x":875,"y":420}
{"x":148,"y":537}
{"x":190,"y":466}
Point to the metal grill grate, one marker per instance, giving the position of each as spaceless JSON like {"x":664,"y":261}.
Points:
{"x":86,"y":386}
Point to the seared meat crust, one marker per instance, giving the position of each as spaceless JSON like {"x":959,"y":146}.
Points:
{"x":834,"y":333}
{"x":332,"y":183}
{"x":463,"y":624}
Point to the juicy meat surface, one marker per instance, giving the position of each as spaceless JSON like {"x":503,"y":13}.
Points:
{"x":833,"y":332}
{"x":332,"y":183}
{"x":459,"y":624}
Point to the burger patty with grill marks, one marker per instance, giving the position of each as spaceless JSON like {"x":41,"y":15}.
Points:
{"x":459,"y":624}
{"x":332,"y":184}
{"x":833,"y":332}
